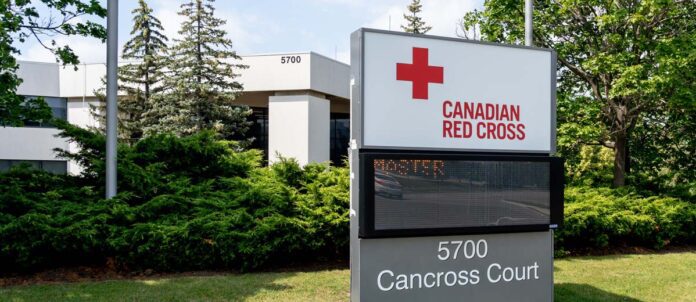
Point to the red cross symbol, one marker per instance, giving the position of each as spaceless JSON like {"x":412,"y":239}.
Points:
{"x":420,"y":73}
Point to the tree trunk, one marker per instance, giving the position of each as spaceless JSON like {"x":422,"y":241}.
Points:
{"x":620,"y":156}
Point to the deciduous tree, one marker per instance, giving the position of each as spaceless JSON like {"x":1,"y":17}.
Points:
{"x":20,"y":21}
{"x":632,"y":60}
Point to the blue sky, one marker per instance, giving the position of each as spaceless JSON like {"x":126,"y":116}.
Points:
{"x":265,"y":26}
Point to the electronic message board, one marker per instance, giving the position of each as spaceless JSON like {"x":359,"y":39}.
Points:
{"x":436,"y":194}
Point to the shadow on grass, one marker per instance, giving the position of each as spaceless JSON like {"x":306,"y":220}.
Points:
{"x":231,"y":287}
{"x":586,"y":293}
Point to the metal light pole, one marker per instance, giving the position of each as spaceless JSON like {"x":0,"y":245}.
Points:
{"x":528,"y":30}
{"x":111,"y":95}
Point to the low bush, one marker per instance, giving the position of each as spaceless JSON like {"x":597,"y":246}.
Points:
{"x":604,"y":217}
{"x":184,"y":204}
{"x":197,"y":203}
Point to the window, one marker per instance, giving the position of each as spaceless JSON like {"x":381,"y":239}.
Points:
{"x":259,"y":130}
{"x":59,"y":108}
{"x":340,"y":136}
{"x":53,"y":166}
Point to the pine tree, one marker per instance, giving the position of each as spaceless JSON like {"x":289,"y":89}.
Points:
{"x":201,"y":86}
{"x":141,"y":77}
{"x":415,"y":23}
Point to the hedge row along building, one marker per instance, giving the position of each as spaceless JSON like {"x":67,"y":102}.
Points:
{"x":300,"y":105}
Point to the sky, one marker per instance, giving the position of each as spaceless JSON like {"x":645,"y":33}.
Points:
{"x":278,"y":26}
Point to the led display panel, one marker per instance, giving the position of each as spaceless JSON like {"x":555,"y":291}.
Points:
{"x":416,"y":194}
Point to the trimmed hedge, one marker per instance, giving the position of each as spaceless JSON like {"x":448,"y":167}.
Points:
{"x":184,"y":204}
{"x":228,"y":223}
{"x":600,"y":218}
{"x":198,"y":203}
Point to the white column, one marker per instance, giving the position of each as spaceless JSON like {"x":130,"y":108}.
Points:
{"x":298,"y":128}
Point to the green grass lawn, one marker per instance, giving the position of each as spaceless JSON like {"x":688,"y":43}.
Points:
{"x":655,"y":277}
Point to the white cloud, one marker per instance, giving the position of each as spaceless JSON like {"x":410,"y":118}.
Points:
{"x":169,"y":17}
{"x":242,"y":29}
{"x":88,"y":49}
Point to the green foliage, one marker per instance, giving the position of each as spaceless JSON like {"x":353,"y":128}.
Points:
{"x":200,"y":86}
{"x":19,"y":21}
{"x":591,"y":168}
{"x":414,"y":23}
{"x":600,"y":218}
{"x":197,"y":202}
{"x":629,"y":63}
{"x":185,"y":203}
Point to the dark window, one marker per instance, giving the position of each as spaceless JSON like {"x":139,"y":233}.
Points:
{"x":259,"y":130}
{"x":53,"y":166}
{"x":59,"y":108}
{"x":56,"y":167}
{"x":5,"y":165}
{"x":340,"y":136}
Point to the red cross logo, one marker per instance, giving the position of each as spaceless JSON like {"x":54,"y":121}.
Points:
{"x":420,"y":73}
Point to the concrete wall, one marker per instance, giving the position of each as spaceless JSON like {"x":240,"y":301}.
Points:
{"x":268,"y":73}
{"x":298,"y":128}
{"x":312,"y":72}
{"x":330,"y":77}
{"x":40,"y":79}
{"x":319,"y":148}
{"x":29,"y":143}
{"x":265,"y":73}
{"x":79,"y":111}
{"x":81,"y":82}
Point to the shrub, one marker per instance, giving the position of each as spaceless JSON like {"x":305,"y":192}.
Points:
{"x":599,"y":218}
{"x":200,"y":203}
{"x":185,"y":203}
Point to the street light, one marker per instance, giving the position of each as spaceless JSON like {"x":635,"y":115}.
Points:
{"x":111,"y":95}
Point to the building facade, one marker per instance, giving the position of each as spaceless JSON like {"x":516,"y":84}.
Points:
{"x":300,"y":104}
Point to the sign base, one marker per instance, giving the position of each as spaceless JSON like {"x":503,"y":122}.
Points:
{"x":488,"y":267}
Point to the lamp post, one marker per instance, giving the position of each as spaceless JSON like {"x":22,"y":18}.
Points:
{"x":111,"y":95}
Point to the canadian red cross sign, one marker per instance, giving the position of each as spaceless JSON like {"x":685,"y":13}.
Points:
{"x":450,"y":169}
{"x":420,"y":73}
{"x":477,"y":96}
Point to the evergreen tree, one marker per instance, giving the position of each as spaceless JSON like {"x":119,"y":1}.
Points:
{"x":200,"y":87}
{"x":141,"y":78}
{"x":415,"y":23}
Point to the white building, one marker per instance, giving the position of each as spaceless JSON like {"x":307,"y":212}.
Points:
{"x":300,"y":103}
